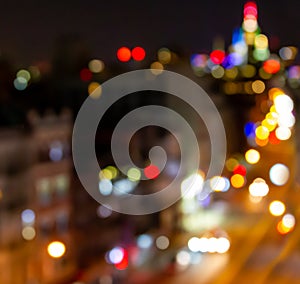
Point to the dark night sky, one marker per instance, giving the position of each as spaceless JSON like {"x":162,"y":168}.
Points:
{"x":28,"y":29}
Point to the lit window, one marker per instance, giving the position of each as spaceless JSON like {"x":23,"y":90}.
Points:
{"x":61,"y":185}
{"x":44,"y":191}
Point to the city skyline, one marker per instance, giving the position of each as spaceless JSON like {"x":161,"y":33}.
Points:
{"x":29,"y":30}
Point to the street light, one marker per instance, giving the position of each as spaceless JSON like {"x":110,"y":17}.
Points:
{"x":56,"y":249}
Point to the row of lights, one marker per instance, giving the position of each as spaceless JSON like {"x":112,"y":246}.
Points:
{"x":279,"y":173}
{"x":218,"y":67}
{"x":119,"y":256}
{"x":212,"y":245}
{"x":124,"y":54}
{"x":95,"y":67}
{"x":28,"y":221}
{"x":108,"y":179}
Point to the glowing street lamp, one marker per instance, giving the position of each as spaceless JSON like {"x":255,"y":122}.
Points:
{"x":56,"y":249}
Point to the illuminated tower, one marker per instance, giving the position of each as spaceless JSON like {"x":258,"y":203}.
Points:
{"x":257,"y":84}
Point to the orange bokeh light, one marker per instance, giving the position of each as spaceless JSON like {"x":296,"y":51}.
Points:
{"x":237,"y":181}
{"x":283,"y":230}
{"x":124,"y":54}
{"x":271,"y":66}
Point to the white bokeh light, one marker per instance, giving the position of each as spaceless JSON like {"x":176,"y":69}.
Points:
{"x":279,"y":174}
{"x":259,"y":187}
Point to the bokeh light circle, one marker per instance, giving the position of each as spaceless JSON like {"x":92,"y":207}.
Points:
{"x":116,"y":255}
{"x":276,"y":208}
{"x":124,"y":54}
{"x":162,"y":242}
{"x":138,"y":53}
{"x":252,"y":156}
{"x":28,"y":233}
{"x":279,"y":174}
{"x":56,"y":249}
{"x":258,"y":188}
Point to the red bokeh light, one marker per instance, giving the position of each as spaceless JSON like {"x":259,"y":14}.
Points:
{"x":124,"y":54}
{"x":123,"y":264}
{"x":86,"y":74}
{"x":138,"y":53}
{"x":271,"y":66}
{"x":217,"y":56}
{"x":240,"y":170}
{"x":250,"y":9}
{"x":273,"y":139}
{"x":151,"y":172}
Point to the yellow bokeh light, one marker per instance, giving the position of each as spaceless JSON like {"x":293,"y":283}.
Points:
{"x":134,"y":174}
{"x":258,"y":86}
{"x":24,"y":74}
{"x":231,"y":88}
{"x":218,"y":72}
{"x":262,"y":132}
{"x":110,"y":172}
{"x":156,"y":68}
{"x":274,"y":92}
{"x":164,"y":56}
{"x":231,"y":163}
{"x":252,"y":156}
{"x":248,"y":71}
{"x":272,"y":118}
{"x":248,"y":88}
{"x":260,"y":142}
{"x":237,"y":181}
{"x":96,"y":65}
{"x":94,"y":90}
{"x":261,"y":41}
{"x":282,"y":229}
{"x":270,"y":126}
{"x":273,"y":109}
{"x":28,"y":233}
{"x":249,"y":38}
{"x":56,"y":249}
{"x":276,"y":208}
{"x":105,"y":174}
{"x":113,"y":170}
{"x":34,"y":72}
{"x":231,"y":73}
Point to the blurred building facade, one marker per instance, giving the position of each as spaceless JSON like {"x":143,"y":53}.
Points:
{"x":36,"y":208}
